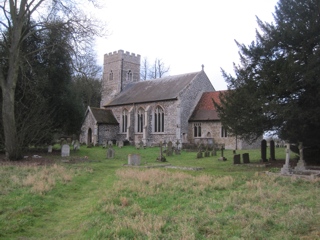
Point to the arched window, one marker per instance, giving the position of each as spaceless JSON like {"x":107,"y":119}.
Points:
{"x":140,"y":120}
{"x":159,"y":119}
{"x":124,"y":120}
{"x":129,"y":75}
{"x":110,"y":75}
{"x":197,"y":129}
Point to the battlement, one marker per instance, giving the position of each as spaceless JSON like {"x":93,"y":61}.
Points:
{"x":120,"y":54}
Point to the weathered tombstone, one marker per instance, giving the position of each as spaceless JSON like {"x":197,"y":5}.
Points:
{"x":120,"y":144}
{"x":272,"y":151}
{"x":76,"y":145}
{"x":65,"y":150}
{"x":137,"y":146}
{"x":301,"y":165}
{"x":214,"y":151}
{"x":104,"y":144}
{"x":245,"y":158}
{"x":199,"y":153}
{"x":234,"y":152}
{"x":263,"y":150}
{"x":141,"y":144}
{"x":69,"y":140}
{"x":134,"y":159}
{"x":110,"y":152}
{"x":222,"y":158}
{"x":110,"y":143}
{"x":169,"y":150}
{"x":161,"y":158}
{"x":207,"y":153}
{"x":286,"y":167}
{"x":177,"y":148}
{"x":236,"y":159}
{"x":50,"y":149}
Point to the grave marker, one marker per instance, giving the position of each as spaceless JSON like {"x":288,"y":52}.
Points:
{"x":65,"y":150}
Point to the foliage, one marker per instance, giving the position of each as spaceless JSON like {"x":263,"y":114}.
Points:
{"x":276,"y":87}
{"x":98,"y":198}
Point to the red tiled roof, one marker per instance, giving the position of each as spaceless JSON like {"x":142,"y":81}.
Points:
{"x":205,"y":110}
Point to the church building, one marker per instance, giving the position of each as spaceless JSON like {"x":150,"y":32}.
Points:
{"x":166,"y":109}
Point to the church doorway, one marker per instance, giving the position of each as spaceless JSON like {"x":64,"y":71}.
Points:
{"x":89,"y":136}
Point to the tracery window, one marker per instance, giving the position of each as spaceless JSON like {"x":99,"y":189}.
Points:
{"x":140,"y":120}
{"x":197,"y":130}
{"x":129,"y":75}
{"x":159,"y":120}
{"x":124,"y":120}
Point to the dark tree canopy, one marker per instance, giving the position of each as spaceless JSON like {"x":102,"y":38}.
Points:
{"x":277,"y":84}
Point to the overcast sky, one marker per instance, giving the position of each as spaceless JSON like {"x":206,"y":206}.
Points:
{"x":184,"y":33}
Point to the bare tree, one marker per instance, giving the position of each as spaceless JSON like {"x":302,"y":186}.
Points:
{"x":157,"y":70}
{"x":15,"y":28}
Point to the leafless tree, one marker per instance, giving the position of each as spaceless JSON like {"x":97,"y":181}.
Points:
{"x":157,"y":70}
{"x":19,"y":19}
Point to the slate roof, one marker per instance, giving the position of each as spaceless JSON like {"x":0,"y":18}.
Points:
{"x":166,"y":88}
{"x":104,"y":116}
{"x":205,"y":110}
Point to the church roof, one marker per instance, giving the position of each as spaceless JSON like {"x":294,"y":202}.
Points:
{"x":103,"y":115}
{"x":205,"y":109}
{"x":166,"y":88}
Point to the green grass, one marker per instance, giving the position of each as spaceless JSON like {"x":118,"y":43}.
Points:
{"x":99,"y":198}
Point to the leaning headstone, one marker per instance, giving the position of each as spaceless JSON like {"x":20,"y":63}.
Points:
{"x":236,"y":159}
{"x":272,"y":151}
{"x":245,"y":158}
{"x":120,"y":144}
{"x":65,"y":150}
{"x":50,"y":149}
{"x":169,"y":150}
{"x":263,"y":150}
{"x":222,"y":158}
{"x":134,"y":159}
{"x":110,"y":152}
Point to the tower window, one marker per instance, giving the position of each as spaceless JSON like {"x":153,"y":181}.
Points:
{"x":159,"y":120}
{"x":111,"y":76}
{"x":129,"y":75}
{"x":124,"y":120}
{"x":197,"y":129}
{"x":140,"y":120}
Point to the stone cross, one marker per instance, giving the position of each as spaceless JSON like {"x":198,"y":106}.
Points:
{"x":161,"y":158}
{"x":301,"y":165}
{"x":222,"y":158}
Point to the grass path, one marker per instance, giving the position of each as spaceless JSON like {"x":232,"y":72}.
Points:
{"x":76,"y":201}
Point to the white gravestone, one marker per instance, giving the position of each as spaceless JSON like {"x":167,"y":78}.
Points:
{"x":65,"y":150}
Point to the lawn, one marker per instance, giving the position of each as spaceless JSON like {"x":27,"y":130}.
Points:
{"x":91,"y":197}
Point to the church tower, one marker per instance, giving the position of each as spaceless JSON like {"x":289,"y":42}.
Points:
{"x":119,"y":69}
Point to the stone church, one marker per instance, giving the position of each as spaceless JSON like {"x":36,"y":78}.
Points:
{"x":171,"y":108}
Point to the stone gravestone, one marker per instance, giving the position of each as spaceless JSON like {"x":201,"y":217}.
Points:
{"x":65,"y":150}
{"x":199,"y":153}
{"x":110,"y":143}
{"x":263,"y":151}
{"x":120,"y":144}
{"x":134,"y":159}
{"x":286,"y":167}
{"x":110,"y":152}
{"x":141,"y":144}
{"x":272,"y":151}
{"x":161,"y":158}
{"x":222,"y":158}
{"x":104,"y":144}
{"x":76,"y":145}
{"x":177,"y":149}
{"x":169,"y":149}
{"x":207,"y":153}
{"x":301,"y":165}
{"x":245,"y":158}
{"x":236,"y":159}
{"x":214,"y":151}
{"x":50,"y":149}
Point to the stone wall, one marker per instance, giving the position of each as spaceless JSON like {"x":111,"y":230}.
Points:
{"x":107,"y":132}
{"x":89,"y":122}
{"x":189,"y":99}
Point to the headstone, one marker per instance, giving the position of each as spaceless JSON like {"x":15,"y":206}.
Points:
{"x":272,"y":151}
{"x":245,"y":158}
{"x":76,"y":145}
{"x":141,"y":144}
{"x":161,"y":158}
{"x":120,"y":144}
{"x":110,"y":152}
{"x":110,"y":143}
{"x":177,"y":148}
{"x":207,"y":153}
{"x":137,"y":146}
{"x":214,"y":151}
{"x":301,"y":165}
{"x":169,"y":150}
{"x":65,"y":150}
{"x":236,"y":159}
{"x":199,"y":153}
{"x":263,"y":150}
{"x":50,"y":149}
{"x":222,"y":158}
{"x":104,"y":144}
{"x":286,"y":167}
{"x":134,"y":159}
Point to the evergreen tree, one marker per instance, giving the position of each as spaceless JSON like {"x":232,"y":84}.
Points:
{"x":277,"y":84}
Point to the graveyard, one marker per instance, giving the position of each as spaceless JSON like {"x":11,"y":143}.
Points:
{"x":133,"y":192}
